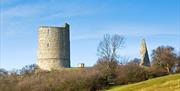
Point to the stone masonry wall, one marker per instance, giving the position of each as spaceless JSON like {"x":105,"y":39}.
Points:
{"x":53,"y":47}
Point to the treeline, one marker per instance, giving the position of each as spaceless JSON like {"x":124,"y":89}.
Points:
{"x":108,"y":71}
{"x":96,"y":78}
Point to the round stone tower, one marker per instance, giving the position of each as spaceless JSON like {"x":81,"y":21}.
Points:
{"x":53,"y":47}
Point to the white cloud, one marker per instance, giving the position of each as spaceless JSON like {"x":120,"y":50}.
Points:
{"x":124,"y":30}
{"x":19,"y":14}
{"x":2,"y":2}
{"x":47,"y":10}
{"x":138,"y":30}
{"x":23,"y":11}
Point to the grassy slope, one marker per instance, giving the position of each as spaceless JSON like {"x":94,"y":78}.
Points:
{"x":166,"y":83}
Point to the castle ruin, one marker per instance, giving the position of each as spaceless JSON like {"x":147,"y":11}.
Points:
{"x":53,"y":47}
{"x":144,"y":54}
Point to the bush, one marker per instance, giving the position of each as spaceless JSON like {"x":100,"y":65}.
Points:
{"x":102,"y":75}
{"x":130,"y":73}
{"x":106,"y":70}
{"x":3,"y":73}
{"x":156,"y":72}
{"x":28,"y":69}
{"x":81,"y":79}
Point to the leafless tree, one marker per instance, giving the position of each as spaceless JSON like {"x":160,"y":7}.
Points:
{"x":28,"y":69}
{"x":108,"y":48}
{"x":177,"y":63}
{"x":164,"y":57}
{"x":135,"y":61}
{"x":108,"y":56}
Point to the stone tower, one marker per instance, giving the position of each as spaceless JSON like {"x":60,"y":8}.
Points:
{"x":144,"y":54}
{"x":53,"y":47}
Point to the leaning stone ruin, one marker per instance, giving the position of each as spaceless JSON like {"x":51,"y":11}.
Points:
{"x":144,"y":54}
{"x":53,"y":47}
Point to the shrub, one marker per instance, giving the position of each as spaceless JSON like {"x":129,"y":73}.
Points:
{"x":81,"y":79}
{"x":130,"y":73}
{"x":156,"y":72}
{"x":103,"y":74}
{"x":106,"y":70}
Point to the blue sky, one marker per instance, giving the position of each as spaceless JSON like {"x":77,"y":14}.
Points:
{"x":158,"y":21}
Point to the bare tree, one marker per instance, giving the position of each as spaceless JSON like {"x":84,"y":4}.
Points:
{"x":28,"y":69}
{"x":177,"y":66}
{"x":3,"y":73}
{"x":108,"y":56}
{"x":135,"y":61}
{"x":108,"y":48}
{"x":164,"y":57}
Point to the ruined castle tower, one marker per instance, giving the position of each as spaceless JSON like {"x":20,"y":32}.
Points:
{"x":144,"y":54}
{"x":53,"y":47}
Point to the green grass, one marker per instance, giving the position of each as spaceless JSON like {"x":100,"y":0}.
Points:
{"x":165,"y":83}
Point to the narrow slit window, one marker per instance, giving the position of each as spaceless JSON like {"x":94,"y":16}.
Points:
{"x":48,"y":31}
{"x":48,"y":45}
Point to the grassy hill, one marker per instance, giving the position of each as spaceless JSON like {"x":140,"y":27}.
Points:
{"x":165,"y":83}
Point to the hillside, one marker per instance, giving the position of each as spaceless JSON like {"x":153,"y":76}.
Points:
{"x":166,"y":83}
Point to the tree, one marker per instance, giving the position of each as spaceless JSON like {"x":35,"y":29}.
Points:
{"x":108,"y":56}
{"x":178,"y":63}
{"x":28,"y":69}
{"x":3,"y":72}
{"x":164,"y":57}
{"x":135,"y":60}
{"x":108,"y":48}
